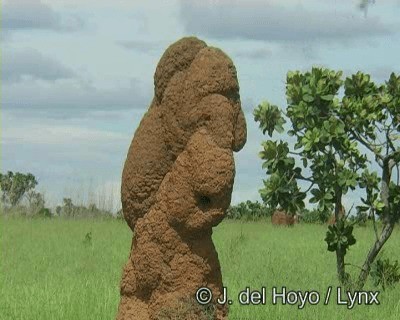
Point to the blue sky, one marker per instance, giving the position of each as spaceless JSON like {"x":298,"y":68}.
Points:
{"x":77,"y":76}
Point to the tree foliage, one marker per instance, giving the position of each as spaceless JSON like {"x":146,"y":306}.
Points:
{"x":248,"y":210}
{"x":15,"y":185}
{"x":36,"y":201}
{"x":385,"y":273}
{"x":329,"y":132}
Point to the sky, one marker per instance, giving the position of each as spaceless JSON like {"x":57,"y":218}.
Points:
{"x":77,"y":76}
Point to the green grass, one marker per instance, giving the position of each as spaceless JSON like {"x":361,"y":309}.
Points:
{"x":50,"y":270}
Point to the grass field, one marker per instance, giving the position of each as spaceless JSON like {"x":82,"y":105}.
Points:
{"x":50,"y":270}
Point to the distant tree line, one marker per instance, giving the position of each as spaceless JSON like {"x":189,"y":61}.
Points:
{"x":19,"y":197}
{"x":255,"y":211}
{"x":248,"y":210}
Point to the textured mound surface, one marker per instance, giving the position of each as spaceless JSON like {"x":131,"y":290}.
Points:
{"x":177,"y":183}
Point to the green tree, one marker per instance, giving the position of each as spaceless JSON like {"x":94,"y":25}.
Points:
{"x":36,"y":201}
{"x":248,"y":210}
{"x":328,"y":133}
{"x":68,"y":208}
{"x":15,"y":185}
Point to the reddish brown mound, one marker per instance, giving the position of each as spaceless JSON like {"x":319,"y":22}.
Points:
{"x":281,"y":218}
{"x":195,"y":87}
{"x":177,"y":183}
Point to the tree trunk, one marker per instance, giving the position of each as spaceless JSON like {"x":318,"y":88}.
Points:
{"x":373,"y":252}
{"x":389,"y":223}
{"x":341,"y":272}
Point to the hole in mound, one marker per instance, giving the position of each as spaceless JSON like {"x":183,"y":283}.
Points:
{"x":204,"y":200}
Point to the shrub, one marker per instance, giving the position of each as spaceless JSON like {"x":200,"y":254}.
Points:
{"x":248,"y":211}
{"x":44,"y":212}
{"x":385,"y":273}
{"x":312,"y":216}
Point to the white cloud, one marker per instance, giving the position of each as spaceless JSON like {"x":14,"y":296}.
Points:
{"x":258,"y":53}
{"x":33,"y":14}
{"x":142,"y":46}
{"x":70,"y":98}
{"x":29,"y":63}
{"x":58,"y":135}
{"x":383,"y":73}
{"x":273,"y":21}
{"x":65,"y":155}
